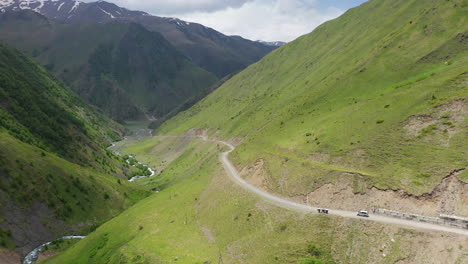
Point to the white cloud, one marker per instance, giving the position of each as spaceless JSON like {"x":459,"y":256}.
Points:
{"x":268,"y":20}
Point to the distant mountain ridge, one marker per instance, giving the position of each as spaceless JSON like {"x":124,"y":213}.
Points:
{"x":209,"y":49}
{"x":126,"y":70}
{"x":273,"y":43}
{"x":71,"y":11}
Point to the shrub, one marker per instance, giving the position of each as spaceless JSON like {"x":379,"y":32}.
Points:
{"x":313,"y":250}
{"x":447,"y":123}
{"x":428,"y":130}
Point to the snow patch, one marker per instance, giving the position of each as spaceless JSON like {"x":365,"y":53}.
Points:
{"x":24,"y":5}
{"x":107,"y":13}
{"x":75,"y":6}
{"x":41,"y":4}
{"x":6,"y":3}
{"x":60,"y":6}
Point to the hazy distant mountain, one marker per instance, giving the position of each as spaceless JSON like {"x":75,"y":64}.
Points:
{"x":209,"y":49}
{"x":125,"y":70}
{"x":273,"y":43}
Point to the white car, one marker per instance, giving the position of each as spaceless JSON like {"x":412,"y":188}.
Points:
{"x":363,"y":214}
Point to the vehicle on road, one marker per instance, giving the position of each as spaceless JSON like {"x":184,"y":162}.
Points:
{"x":363,"y":214}
{"x":322,"y":211}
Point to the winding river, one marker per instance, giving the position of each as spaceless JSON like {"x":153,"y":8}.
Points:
{"x":32,"y":257}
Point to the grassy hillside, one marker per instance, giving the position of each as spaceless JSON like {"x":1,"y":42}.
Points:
{"x":201,"y":216}
{"x":37,"y":109}
{"x":125,"y":70}
{"x":56,"y":176}
{"x":377,"y":97}
{"x":44,"y":196}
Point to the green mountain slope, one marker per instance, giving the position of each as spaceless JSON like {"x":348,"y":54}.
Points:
{"x":55,"y":173}
{"x":120,"y":67}
{"x":377,"y":97}
{"x":201,"y":216}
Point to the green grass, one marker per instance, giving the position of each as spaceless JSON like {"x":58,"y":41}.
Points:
{"x":58,"y":246}
{"x":193,"y":221}
{"x":201,"y":216}
{"x":351,"y":85}
{"x":174,"y":205}
{"x":73,"y":193}
{"x":464,"y":176}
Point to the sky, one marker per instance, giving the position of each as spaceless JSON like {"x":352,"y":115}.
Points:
{"x":267,"y":20}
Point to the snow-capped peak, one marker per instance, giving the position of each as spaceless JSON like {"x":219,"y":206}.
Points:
{"x":6,"y":3}
{"x":39,"y":5}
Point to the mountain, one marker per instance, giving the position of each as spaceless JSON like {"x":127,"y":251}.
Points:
{"x":273,"y":43}
{"x":71,"y":11}
{"x":127,"y":71}
{"x":56,"y":176}
{"x":374,"y":100}
{"x":369,"y":110}
{"x":209,"y":49}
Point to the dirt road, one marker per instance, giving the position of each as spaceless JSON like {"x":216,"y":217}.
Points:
{"x":234,"y":174}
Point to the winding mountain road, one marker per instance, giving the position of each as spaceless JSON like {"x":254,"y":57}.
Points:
{"x":234,"y":175}
{"x":281,"y":202}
